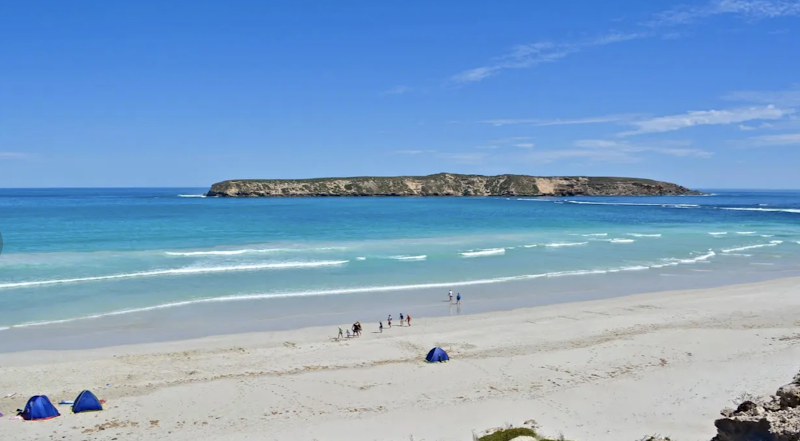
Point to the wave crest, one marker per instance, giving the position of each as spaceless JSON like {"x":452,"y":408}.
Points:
{"x":179,"y":271}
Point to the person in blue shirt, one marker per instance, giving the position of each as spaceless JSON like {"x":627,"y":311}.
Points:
{"x":458,"y":299}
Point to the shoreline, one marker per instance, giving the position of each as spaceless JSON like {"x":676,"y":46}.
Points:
{"x":598,"y":370}
{"x":195,"y":321}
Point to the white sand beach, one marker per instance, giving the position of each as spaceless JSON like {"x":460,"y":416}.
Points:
{"x":607,"y":370}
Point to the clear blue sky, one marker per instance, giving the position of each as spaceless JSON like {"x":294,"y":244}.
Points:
{"x":185,"y":93}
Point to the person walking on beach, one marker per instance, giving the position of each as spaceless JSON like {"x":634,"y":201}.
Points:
{"x":451,"y":295}
{"x":458,"y":299}
{"x":408,"y":318}
{"x":348,"y":333}
{"x":380,"y":326}
{"x":401,"y":319}
{"x":389,"y":321}
{"x":341,"y":335}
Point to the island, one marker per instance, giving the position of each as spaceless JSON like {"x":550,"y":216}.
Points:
{"x":449,"y":184}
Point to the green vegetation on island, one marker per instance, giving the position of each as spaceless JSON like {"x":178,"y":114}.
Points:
{"x":448,"y":184}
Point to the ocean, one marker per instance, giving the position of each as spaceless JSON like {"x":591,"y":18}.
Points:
{"x":91,"y":267}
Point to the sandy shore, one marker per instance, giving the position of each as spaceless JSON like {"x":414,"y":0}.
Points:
{"x":613,"y":369}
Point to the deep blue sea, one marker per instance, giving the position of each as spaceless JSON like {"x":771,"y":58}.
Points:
{"x":74,"y":257}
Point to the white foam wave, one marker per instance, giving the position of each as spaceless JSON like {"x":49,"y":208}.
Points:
{"x":591,"y":235}
{"x":745,"y":233}
{"x":225,"y":252}
{"x":643,"y":235}
{"x":634,"y":204}
{"x":487,"y":252}
{"x":621,"y":240}
{"x":752,"y":247}
{"x":675,"y":262}
{"x":361,"y":258}
{"x":530,"y":246}
{"x":244,"y":297}
{"x":782,"y":210}
{"x":179,"y":271}
{"x":421,"y":257}
{"x":718,"y":233}
{"x":191,"y":195}
{"x":767,"y":235}
{"x":565,"y":244}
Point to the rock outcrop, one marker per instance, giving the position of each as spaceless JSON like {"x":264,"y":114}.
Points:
{"x":446,"y":184}
{"x":773,"y":418}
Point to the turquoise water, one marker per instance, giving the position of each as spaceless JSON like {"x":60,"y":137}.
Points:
{"x":74,"y":256}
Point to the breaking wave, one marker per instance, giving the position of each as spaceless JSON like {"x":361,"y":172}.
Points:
{"x":565,"y":244}
{"x":179,"y":271}
{"x":782,"y":210}
{"x":421,"y":257}
{"x":487,"y":252}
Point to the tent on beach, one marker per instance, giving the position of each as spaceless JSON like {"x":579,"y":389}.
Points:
{"x":86,"y":402}
{"x":39,"y":407}
{"x":437,"y":355}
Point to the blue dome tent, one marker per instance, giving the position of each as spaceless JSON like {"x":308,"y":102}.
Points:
{"x":86,"y":402}
{"x":39,"y":407}
{"x":437,"y":355}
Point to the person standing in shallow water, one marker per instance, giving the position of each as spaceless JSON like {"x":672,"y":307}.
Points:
{"x":408,"y":318}
{"x":458,"y":299}
{"x":389,"y":321}
{"x":401,"y":319}
{"x":450,"y":294}
{"x":380,"y":326}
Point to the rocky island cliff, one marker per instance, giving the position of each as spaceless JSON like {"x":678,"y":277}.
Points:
{"x":447,"y":184}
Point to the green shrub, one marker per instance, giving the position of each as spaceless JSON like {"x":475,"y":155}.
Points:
{"x":508,"y":434}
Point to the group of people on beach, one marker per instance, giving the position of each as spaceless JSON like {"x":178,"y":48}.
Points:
{"x":356,"y":331}
{"x":406,"y":319}
{"x":356,"y":328}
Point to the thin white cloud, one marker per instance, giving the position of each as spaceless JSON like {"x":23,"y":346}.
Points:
{"x":538,"y":122}
{"x":751,"y":9}
{"x":510,"y":140}
{"x":706,"y":117}
{"x":525,"y":145}
{"x":465,"y":158}
{"x":670,"y":148}
{"x":661,"y":25}
{"x":412,"y":152}
{"x":398,"y":90}
{"x":530,"y":55}
{"x":770,"y":140}
{"x":787,"y":98}
{"x":600,"y":155}
{"x":596,"y":143}
{"x":12,"y":155}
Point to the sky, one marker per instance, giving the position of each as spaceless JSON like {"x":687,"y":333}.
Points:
{"x":703,"y":93}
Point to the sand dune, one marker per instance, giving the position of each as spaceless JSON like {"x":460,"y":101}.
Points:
{"x":607,"y":370}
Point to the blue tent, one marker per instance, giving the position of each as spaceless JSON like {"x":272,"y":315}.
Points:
{"x":437,"y":354}
{"x":39,"y":407}
{"x":86,"y":402}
